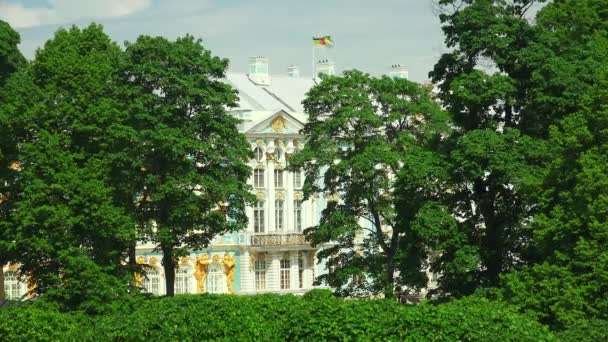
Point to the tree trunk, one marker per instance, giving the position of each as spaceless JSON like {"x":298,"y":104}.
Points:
{"x":169,"y":267}
{"x":389,"y":289}
{"x":2,"y":294}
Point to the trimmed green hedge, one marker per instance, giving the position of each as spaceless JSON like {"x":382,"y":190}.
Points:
{"x":276,"y":318}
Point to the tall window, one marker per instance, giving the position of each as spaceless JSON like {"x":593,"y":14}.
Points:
{"x":297,"y":215}
{"x":258,"y":217}
{"x":182,"y":280}
{"x":259,"y":154}
{"x":278,"y":179}
{"x":12,"y":287}
{"x":260,"y":274}
{"x":215,"y":279}
{"x":297,"y":180}
{"x":151,"y":282}
{"x":258,"y":178}
{"x":279,"y":211}
{"x":300,"y":272}
{"x":285,"y":276}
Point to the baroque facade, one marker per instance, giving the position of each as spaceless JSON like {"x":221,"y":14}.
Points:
{"x":271,"y":254}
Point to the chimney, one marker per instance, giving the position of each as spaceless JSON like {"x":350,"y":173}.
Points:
{"x":258,"y":70}
{"x":397,"y":71}
{"x":293,"y":71}
{"x":325,"y":66}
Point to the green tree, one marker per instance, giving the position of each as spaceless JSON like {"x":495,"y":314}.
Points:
{"x":65,"y":206}
{"x":363,"y":132}
{"x":11,"y":61}
{"x":568,"y":282}
{"x":506,"y":80}
{"x":192,"y":157}
{"x":11,"y":58}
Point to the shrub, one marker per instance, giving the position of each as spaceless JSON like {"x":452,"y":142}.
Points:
{"x":318,"y":294}
{"x":278,"y":318}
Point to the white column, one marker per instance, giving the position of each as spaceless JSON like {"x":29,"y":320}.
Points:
{"x":270,"y":227}
{"x":294,"y":270}
{"x":289,"y":225}
{"x":273,"y":272}
{"x":246,"y":273}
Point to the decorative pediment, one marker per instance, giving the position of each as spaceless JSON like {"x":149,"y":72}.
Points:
{"x":279,"y":122}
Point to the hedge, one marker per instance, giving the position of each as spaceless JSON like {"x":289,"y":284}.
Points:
{"x":275,"y":318}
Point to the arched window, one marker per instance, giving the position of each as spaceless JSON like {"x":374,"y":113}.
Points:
{"x":12,"y":286}
{"x":259,"y":154}
{"x":151,"y":283}
{"x":216,"y":280}
{"x":183,"y":275}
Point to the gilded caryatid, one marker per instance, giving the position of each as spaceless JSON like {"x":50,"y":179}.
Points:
{"x":229,"y":264}
{"x":201,"y":272}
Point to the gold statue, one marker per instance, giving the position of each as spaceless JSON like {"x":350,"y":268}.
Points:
{"x":201,"y":272}
{"x":229,"y":263}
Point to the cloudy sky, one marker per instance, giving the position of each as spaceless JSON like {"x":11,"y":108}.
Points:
{"x":369,"y":35}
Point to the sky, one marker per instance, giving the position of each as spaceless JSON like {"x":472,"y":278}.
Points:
{"x":369,"y":35}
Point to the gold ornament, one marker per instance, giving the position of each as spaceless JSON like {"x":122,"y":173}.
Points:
{"x":269,"y":156}
{"x":298,"y":195}
{"x":280,"y":195}
{"x":153,"y":261}
{"x":201,"y":272}
{"x":229,"y":263}
{"x":216,"y":258}
{"x":260,"y":143}
{"x":184,"y":260}
{"x":278,"y":123}
{"x":140,"y":260}
{"x":260,"y":196}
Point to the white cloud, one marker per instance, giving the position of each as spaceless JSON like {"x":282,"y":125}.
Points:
{"x":64,"y":11}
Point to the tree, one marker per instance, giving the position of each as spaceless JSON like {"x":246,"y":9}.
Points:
{"x":11,"y":61}
{"x":505,"y":81}
{"x":568,"y":281}
{"x":11,"y":58}
{"x":362,"y":132}
{"x":192,"y":157}
{"x":65,"y":207}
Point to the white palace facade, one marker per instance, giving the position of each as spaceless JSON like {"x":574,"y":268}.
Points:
{"x":271,"y":254}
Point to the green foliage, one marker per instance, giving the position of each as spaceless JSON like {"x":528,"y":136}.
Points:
{"x":568,"y":284}
{"x":191,"y":160}
{"x":279,"y":318}
{"x":65,"y":212}
{"x":318,"y":294}
{"x":585,"y":331}
{"x":11,"y":58}
{"x":362,"y":130}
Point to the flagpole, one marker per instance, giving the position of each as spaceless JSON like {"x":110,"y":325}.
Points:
{"x":314,"y":76}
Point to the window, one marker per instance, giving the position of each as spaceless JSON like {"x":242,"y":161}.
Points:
{"x":215,"y":279}
{"x":297,"y":215}
{"x":278,"y":179}
{"x":258,"y":153}
{"x":285,"y":276}
{"x":12,"y":286}
{"x":297,"y":180}
{"x":182,"y":280}
{"x":258,"y":217}
{"x":300,"y":272}
{"x":151,"y":282}
{"x":258,"y":178}
{"x":278,"y":215}
{"x":260,"y":274}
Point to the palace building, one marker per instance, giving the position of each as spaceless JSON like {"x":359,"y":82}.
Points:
{"x":271,"y":254}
